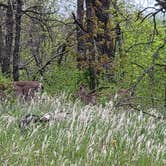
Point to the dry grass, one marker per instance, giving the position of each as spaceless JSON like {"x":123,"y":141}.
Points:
{"x":80,"y":135}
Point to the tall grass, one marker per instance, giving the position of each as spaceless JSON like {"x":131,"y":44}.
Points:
{"x":80,"y":135}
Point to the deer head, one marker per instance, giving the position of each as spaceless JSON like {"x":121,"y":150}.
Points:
{"x":123,"y":92}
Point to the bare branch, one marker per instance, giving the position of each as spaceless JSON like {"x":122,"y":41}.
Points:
{"x":155,"y":56}
{"x":138,"y":44}
{"x":23,"y":65}
{"x":49,"y":62}
{"x":78,"y":23}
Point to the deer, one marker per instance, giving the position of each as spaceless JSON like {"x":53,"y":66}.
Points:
{"x":87,"y":98}
{"x":27,"y":89}
{"x":124,"y":97}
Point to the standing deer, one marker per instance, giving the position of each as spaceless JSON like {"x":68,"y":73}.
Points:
{"x":27,"y":89}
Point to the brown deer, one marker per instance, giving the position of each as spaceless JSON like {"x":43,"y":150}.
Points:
{"x":87,"y":98}
{"x":27,"y":89}
{"x":124,"y":97}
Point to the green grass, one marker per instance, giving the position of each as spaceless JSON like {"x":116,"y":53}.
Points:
{"x":86,"y":136}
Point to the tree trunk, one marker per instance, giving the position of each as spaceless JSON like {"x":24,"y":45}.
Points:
{"x":90,"y":44}
{"x":104,"y":40}
{"x":16,"y":57}
{"x":1,"y":38}
{"x":1,"y":43}
{"x":9,"y":40}
{"x":81,"y":50}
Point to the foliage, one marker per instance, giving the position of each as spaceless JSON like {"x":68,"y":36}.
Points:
{"x":89,"y":135}
{"x":4,"y":80}
{"x":62,"y":78}
{"x":142,"y":55}
{"x":138,"y":42}
{"x":6,"y":91}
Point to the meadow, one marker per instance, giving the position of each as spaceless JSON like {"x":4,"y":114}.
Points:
{"x":80,"y":135}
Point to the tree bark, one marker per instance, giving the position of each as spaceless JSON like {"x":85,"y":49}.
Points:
{"x":9,"y":40}
{"x":1,"y":43}
{"x":90,"y":44}
{"x":81,"y":50}
{"x":1,"y":38}
{"x":16,"y":51}
{"x":105,"y":42}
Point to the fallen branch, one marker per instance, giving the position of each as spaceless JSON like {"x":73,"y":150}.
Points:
{"x":144,"y":112}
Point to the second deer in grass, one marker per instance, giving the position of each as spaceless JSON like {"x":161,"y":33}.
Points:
{"x":87,"y":98}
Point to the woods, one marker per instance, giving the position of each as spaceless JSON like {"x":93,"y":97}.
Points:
{"x":82,"y":82}
{"x":101,"y":42}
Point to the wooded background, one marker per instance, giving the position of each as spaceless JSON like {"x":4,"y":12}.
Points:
{"x":103,"y":43}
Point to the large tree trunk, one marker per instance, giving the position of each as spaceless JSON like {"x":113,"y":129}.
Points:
{"x":81,"y":50}
{"x":16,"y":57}
{"x":9,"y":40}
{"x":1,"y":38}
{"x":90,"y":44}
{"x":104,"y":40}
{"x":1,"y":44}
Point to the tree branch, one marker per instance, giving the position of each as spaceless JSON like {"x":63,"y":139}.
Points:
{"x":42,"y":69}
{"x":78,"y":23}
{"x":155,"y":56}
{"x":138,"y":44}
{"x":147,"y":113}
